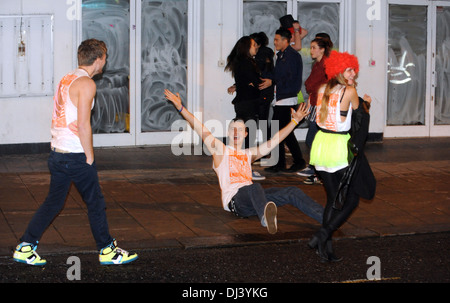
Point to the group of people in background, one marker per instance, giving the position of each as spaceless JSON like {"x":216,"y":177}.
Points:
{"x":262,"y":82}
{"x":336,"y":116}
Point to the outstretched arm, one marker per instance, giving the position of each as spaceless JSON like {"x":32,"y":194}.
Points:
{"x":299,"y":34}
{"x":215,"y":146}
{"x":266,"y":147}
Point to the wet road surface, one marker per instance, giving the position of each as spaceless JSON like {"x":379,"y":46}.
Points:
{"x":409,"y":258}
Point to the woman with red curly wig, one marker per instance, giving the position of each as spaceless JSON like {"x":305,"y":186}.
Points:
{"x":329,"y":151}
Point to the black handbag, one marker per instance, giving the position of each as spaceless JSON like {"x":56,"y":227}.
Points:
{"x":344,"y":185}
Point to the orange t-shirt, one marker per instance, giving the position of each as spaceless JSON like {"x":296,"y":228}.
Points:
{"x":234,"y":172}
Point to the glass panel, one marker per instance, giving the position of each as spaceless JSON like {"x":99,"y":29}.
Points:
{"x":164,"y":61}
{"x":109,"y":21}
{"x":263,"y":16}
{"x":442,"y":103}
{"x":407,"y":57}
{"x":317,"y":18}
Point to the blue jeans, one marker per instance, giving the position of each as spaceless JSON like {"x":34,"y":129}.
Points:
{"x":65,"y":169}
{"x":251,"y":200}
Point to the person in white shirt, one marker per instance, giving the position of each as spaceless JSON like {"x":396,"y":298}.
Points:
{"x":232,"y":165}
{"x":72,"y":160}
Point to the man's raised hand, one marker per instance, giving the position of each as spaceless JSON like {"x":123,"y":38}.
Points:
{"x":302,"y":112}
{"x":175,"y":99}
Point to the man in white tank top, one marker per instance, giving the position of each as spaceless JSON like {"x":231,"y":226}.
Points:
{"x":232,"y":165}
{"x":72,"y":160}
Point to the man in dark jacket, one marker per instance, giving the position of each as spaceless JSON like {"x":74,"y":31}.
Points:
{"x":287,"y":77}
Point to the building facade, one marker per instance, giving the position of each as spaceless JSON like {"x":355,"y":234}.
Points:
{"x":403,"y":48}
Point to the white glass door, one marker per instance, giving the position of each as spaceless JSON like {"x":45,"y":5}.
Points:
{"x":162,"y":56}
{"x":150,"y":43}
{"x":440,"y":86}
{"x":318,"y":16}
{"x":418,"y":69}
{"x":323,"y":16}
{"x":113,"y":122}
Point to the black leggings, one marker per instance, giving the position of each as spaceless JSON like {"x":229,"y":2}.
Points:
{"x":333,"y":218}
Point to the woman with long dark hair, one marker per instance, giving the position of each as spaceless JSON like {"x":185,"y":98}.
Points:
{"x":243,"y":68}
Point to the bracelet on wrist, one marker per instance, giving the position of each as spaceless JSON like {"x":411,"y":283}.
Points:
{"x":181,"y":109}
{"x":295,"y":121}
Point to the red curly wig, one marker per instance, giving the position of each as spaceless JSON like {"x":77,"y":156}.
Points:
{"x":338,"y":62}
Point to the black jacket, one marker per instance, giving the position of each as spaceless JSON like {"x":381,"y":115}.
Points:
{"x":247,"y":79}
{"x":287,"y":75}
{"x":363,"y":181}
{"x":264,"y":61}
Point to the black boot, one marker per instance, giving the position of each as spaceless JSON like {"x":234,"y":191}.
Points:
{"x":320,"y":242}
{"x":313,"y":242}
{"x":329,"y":250}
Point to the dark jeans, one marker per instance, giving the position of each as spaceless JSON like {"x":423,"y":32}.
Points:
{"x":283,"y":115}
{"x":312,"y":131}
{"x":248,"y":111}
{"x":65,"y":169}
{"x":333,"y":218}
{"x":251,"y":200}
{"x":263,"y":116}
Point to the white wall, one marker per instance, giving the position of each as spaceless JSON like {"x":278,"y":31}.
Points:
{"x":370,"y":44}
{"x":28,"y":119}
{"x":217,"y":44}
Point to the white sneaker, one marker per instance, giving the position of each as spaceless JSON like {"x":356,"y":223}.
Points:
{"x":270,"y":217}
{"x":306,"y":172}
{"x":256,"y":176}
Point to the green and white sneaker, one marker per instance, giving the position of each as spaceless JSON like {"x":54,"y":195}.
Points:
{"x":113,"y":255}
{"x":26,"y":253}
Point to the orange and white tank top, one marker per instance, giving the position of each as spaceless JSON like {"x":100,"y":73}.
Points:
{"x":64,"y":128}
{"x":234,"y":172}
{"x":333,"y":121}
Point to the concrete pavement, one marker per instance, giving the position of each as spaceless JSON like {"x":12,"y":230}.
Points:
{"x":157,"y":200}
